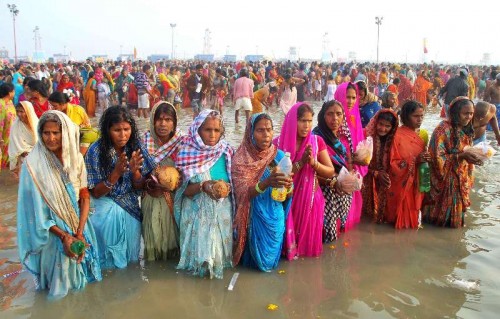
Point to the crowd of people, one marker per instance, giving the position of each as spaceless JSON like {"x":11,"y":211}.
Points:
{"x":105,"y":187}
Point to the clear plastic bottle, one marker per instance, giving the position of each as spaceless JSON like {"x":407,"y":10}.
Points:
{"x":424,"y":177}
{"x":285,"y":166}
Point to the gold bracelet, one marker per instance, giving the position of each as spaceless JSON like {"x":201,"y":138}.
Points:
{"x":257,"y":188}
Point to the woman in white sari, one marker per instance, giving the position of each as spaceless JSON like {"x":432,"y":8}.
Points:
{"x":23,"y":136}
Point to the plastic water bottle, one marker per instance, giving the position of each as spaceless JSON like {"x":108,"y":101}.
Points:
{"x":77,"y":247}
{"x":285,"y":166}
{"x":424,"y":178}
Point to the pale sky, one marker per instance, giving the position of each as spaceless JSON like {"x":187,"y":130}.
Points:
{"x":456,"y":33}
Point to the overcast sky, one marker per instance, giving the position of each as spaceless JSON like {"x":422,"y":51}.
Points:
{"x":456,"y":33}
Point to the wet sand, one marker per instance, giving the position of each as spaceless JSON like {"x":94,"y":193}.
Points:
{"x":373,"y":271}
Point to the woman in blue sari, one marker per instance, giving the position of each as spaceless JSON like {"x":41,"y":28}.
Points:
{"x":52,"y":210}
{"x":259,"y":221}
{"x":117,"y":165}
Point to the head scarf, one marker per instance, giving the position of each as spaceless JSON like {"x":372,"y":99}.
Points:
{"x":194,"y":156}
{"x":248,"y":165}
{"x":371,"y":130}
{"x":152,"y":142}
{"x":23,"y":137}
{"x":52,"y":177}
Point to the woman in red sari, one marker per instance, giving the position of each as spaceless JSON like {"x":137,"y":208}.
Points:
{"x":69,"y":87}
{"x":408,"y":150}
{"x":376,"y":182}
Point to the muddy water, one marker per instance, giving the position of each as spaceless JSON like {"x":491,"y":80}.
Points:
{"x":371,"y":272}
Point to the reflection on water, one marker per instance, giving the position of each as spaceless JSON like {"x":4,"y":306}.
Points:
{"x":371,"y":272}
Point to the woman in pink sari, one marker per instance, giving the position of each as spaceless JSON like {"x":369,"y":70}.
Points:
{"x":304,"y":224}
{"x":347,"y":94}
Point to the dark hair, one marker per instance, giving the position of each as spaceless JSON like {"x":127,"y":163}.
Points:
{"x":303,"y":109}
{"x":260,"y":117}
{"x":59,"y":97}
{"x":27,"y":80}
{"x":352,"y":86}
{"x":454,"y":112}
{"x":114,"y":115}
{"x":244,"y":72}
{"x":389,"y":117}
{"x":91,"y":74}
{"x":5,"y":89}
{"x":168,"y":109}
{"x":361,"y":87}
{"x":407,"y":110}
{"x":146,"y":67}
{"x":396,"y":81}
{"x":38,"y":86}
{"x":273,"y":89}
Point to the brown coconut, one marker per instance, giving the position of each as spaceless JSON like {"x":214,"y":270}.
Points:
{"x":221,"y":189}
{"x":168,"y":177}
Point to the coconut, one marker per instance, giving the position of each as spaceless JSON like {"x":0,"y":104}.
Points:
{"x":168,"y":177}
{"x":221,"y":189}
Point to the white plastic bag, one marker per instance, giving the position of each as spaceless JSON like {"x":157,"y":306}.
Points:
{"x":353,"y":179}
{"x":482,"y":150}
{"x":364,"y":150}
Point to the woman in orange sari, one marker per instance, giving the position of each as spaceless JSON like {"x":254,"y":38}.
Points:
{"x":404,"y":199}
{"x":89,"y":94}
{"x":422,"y":85}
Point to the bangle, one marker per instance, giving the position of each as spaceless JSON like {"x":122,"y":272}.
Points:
{"x":257,"y":188}
{"x":333,"y":181}
{"x":108,"y":184}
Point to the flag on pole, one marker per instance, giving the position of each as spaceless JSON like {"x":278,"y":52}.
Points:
{"x":425,"y":46}
{"x":135,"y":53}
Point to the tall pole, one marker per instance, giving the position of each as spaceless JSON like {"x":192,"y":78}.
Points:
{"x":378,"y":22}
{"x":172,"y":25}
{"x":13,"y":9}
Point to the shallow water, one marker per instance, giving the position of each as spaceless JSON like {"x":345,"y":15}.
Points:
{"x":373,"y":271}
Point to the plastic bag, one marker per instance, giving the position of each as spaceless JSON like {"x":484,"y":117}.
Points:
{"x":364,"y":150}
{"x":482,"y":150}
{"x":352,"y":179}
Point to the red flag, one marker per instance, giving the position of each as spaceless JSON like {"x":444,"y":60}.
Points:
{"x":425,"y":46}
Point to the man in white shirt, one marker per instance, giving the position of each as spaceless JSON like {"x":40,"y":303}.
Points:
{"x":42,"y":73}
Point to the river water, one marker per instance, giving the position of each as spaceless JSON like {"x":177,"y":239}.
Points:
{"x":373,"y":271}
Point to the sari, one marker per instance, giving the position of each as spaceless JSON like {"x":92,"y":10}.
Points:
{"x":288,"y":98}
{"x":23,"y":137}
{"x":259,"y":223}
{"x":48,"y":196}
{"x":336,"y":205}
{"x":89,"y":96}
{"x":7,"y":118}
{"x":117,"y":215}
{"x":374,"y":195}
{"x":69,"y":86}
{"x":451,"y":179}
{"x":204,"y":224}
{"x":353,"y":120}
{"x":422,"y":85}
{"x":304,"y":224}
{"x":158,"y":225}
{"x":404,"y":199}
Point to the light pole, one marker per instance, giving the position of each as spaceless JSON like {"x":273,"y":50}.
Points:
{"x":378,"y":22}
{"x":13,"y":9}
{"x":172,"y":25}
